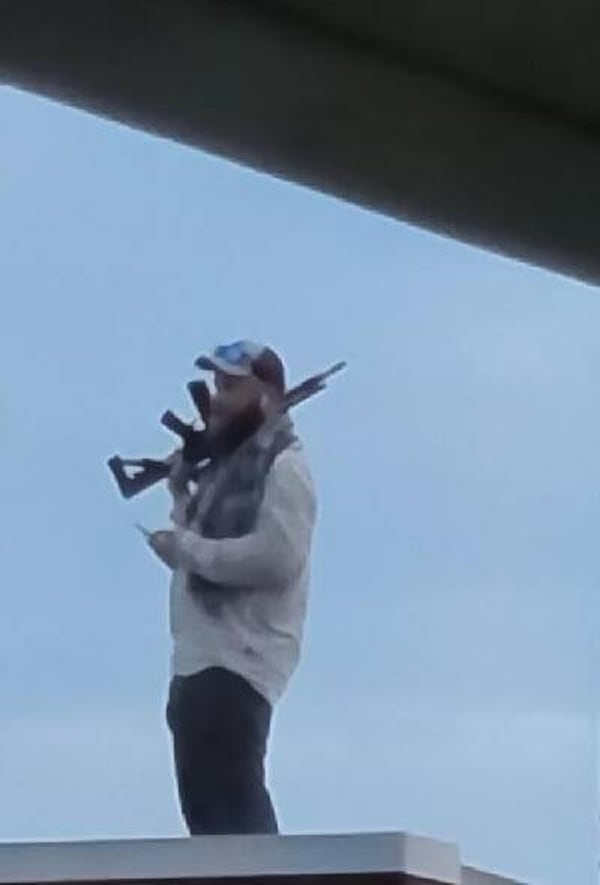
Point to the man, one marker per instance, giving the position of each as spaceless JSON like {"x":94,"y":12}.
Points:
{"x":239,"y":554}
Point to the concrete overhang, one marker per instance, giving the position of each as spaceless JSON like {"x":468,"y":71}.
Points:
{"x":475,"y":119}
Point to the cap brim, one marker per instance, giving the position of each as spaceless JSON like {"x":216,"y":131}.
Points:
{"x":214,"y":364}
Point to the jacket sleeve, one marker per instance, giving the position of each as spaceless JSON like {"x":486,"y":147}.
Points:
{"x":178,"y":486}
{"x":276,"y":551}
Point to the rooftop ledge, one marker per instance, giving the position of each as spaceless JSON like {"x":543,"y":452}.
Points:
{"x":376,"y":857}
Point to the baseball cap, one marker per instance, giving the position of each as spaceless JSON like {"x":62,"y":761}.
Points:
{"x":244,"y":358}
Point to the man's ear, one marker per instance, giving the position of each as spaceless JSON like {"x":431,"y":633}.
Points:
{"x":269,"y":401}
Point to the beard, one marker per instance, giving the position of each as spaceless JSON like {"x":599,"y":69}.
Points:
{"x":228,"y":429}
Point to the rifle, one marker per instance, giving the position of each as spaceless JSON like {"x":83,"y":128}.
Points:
{"x":197,"y":445}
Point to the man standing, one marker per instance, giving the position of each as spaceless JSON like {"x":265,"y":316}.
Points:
{"x":239,"y":554}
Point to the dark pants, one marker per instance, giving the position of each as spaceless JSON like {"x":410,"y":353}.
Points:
{"x":220,"y":727}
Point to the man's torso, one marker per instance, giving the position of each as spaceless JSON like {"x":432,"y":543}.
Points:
{"x":253,"y":631}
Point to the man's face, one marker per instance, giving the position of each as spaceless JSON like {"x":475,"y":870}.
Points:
{"x":233,"y":394}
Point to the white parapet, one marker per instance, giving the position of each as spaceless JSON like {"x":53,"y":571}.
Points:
{"x":382,"y":857}
{"x":386,"y":856}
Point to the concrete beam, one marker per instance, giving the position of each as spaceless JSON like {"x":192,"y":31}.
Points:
{"x":243,"y":81}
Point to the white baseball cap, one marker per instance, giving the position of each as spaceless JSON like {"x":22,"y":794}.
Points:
{"x":244,"y":358}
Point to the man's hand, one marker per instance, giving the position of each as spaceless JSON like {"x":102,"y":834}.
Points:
{"x":164,"y":545}
{"x":178,"y":479}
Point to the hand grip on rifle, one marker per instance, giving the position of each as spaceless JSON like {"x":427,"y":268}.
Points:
{"x":195,"y":442}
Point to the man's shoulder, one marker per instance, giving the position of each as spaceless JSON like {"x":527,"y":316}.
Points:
{"x":292,"y":457}
{"x":292,"y":465}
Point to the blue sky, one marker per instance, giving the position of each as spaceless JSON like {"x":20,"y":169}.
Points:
{"x":448,"y":684}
